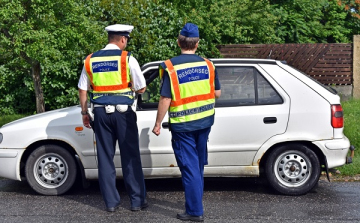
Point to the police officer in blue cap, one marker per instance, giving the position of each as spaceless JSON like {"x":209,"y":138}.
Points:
{"x":113,"y":76}
{"x":188,"y":91}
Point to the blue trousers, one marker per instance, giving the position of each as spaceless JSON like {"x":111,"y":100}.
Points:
{"x":190,"y":149}
{"x":121,"y":127}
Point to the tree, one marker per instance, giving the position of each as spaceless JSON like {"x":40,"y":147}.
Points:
{"x":156,"y":27}
{"x":352,"y":20}
{"x":229,"y":21}
{"x":309,"y":21}
{"x":43,"y":42}
{"x":45,"y":39}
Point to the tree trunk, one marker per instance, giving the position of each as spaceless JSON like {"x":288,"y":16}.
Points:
{"x":35,"y":71}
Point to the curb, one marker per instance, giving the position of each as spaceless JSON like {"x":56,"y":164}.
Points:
{"x":340,"y":178}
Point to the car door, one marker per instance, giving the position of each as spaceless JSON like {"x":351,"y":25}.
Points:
{"x":252,"y":108}
{"x":156,"y":151}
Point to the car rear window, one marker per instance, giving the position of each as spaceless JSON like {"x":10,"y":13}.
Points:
{"x":327,"y":87}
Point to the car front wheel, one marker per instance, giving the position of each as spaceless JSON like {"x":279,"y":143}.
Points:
{"x":293,"y":169}
{"x":50,"y":170}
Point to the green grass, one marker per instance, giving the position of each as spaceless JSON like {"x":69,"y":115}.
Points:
{"x":9,"y":118}
{"x":351,"y":130}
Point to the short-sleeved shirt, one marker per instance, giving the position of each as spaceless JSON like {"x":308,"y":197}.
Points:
{"x":165,"y":89}
{"x":137,"y":77}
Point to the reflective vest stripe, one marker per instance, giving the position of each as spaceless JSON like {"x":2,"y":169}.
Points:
{"x":88,"y":69}
{"x":191,"y":111}
{"x":174,"y":79}
{"x":124,"y":76}
{"x":161,"y":73}
{"x":212,"y":76}
{"x":177,"y":100}
{"x":123,"y":70}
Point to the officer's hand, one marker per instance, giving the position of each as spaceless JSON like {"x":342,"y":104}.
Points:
{"x":86,"y":121}
{"x":156,"y":129}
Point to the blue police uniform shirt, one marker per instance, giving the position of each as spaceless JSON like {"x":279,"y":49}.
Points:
{"x":165,"y":91}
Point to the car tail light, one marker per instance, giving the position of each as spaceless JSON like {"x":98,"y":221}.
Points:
{"x":337,"y":119}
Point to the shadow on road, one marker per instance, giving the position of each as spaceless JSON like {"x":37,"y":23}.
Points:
{"x":256,"y":185}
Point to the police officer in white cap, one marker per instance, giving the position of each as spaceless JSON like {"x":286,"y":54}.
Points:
{"x":113,"y":76}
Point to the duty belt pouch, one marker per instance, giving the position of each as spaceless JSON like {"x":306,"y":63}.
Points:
{"x":109,"y":108}
{"x":122,"y":108}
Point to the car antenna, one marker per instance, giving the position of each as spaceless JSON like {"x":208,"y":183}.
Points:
{"x":269,"y":54}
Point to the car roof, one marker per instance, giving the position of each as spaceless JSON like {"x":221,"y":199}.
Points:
{"x":222,"y":60}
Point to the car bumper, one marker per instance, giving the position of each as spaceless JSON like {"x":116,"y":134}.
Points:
{"x":10,"y":163}
{"x":335,"y":151}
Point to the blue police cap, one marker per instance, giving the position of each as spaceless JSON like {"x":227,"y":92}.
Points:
{"x":190,"y":30}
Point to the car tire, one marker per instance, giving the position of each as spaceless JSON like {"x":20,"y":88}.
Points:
{"x":293,"y":169}
{"x":50,"y":170}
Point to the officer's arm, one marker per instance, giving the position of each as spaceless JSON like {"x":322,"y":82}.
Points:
{"x":217,"y":85}
{"x":83,"y":100}
{"x":163,"y":106}
{"x":137,"y":77}
{"x":140,"y":91}
{"x":84,"y":108}
{"x":217,"y":93}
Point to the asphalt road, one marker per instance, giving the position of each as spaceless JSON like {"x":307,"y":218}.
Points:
{"x":225,"y":200}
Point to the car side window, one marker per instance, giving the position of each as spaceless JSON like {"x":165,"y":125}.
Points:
{"x":245,"y":86}
{"x":151,"y":97}
{"x":266,"y":93}
{"x":240,"y":86}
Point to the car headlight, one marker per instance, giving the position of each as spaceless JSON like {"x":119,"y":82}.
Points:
{"x":1,"y":137}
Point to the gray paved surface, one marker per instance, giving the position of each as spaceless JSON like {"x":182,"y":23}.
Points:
{"x":225,"y":200}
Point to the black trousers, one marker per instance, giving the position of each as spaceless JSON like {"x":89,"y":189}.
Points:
{"x":121,"y":127}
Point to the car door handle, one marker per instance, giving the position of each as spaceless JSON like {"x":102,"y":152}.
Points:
{"x":270,"y":120}
{"x":165,"y":125}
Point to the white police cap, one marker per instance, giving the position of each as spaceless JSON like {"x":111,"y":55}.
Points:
{"x":120,"y":29}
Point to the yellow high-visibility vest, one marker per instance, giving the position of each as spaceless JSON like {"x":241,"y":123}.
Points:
{"x":192,"y":90}
{"x":109,"y":75}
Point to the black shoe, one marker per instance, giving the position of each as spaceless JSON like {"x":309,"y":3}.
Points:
{"x":144,"y":205}
{"x":187,"y":217}
{"x":112,"y":209}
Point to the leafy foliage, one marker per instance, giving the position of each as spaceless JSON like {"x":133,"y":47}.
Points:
{"x":58,"y":35}
{"x":228,"y":22}
{"x":352,"y":20}
{"x":310,"y":21}
{"x":54,"y":34}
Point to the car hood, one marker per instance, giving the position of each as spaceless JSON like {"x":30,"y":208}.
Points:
{"x":42,"y":118}
{"x":62,"y":124}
